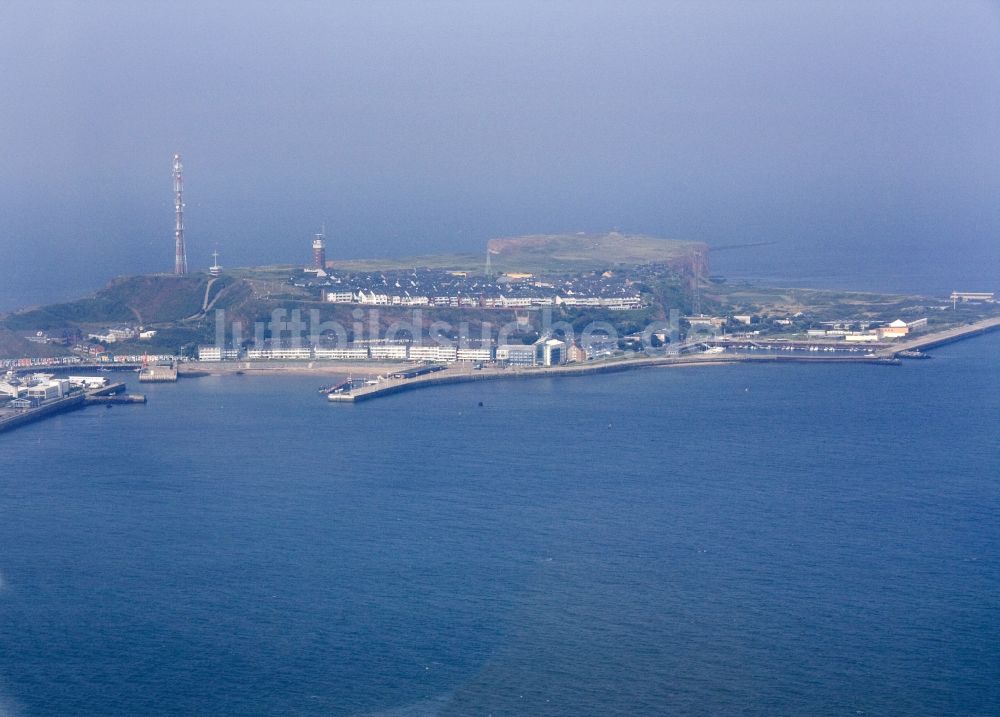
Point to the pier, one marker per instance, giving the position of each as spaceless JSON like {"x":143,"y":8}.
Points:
{"x":940,"y":338}
{"x":158,"y":374}
{"x":108,"y":395}
{"x":30,"y":415}
{"x":111,"y":389}
{"x":766,"y":344}
{"x":464,"y":375}
{"x":116,"y":398}
{"x":885,"y":355}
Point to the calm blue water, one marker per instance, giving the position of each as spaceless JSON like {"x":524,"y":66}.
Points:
{"x":752,"y":540}
{"x":866,"y":264}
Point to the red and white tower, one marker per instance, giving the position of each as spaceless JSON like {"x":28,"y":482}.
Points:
{"x":180,"y":252}
{"x":319,"y":250}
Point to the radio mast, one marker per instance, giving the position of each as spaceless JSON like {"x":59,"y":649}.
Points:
{"x":180,"y":252}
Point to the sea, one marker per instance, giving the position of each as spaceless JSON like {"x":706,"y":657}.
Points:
{"x":717,"y":540}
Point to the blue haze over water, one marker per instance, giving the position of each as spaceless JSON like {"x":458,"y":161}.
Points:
{"x":753,"y":540}
{"x":860,"y":137}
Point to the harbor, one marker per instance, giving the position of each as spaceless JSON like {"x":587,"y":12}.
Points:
{"x":352,"y":392}
{"x":390,"y":385}
{"x":158,"y":373}
{"x":25,"y":411}
{"x":940,"y":338}
{"x":120,"y":398}
{"x":48,"y":396}
{"x":16,"y":419}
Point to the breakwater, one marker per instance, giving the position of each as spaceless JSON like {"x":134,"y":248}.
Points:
{"x":465,"y":375}
{"x":30,"y":415}
{"x":885,"y":356}
{"x":940,"y":338}
{"x":110,"y":394}
{"x":158,"y":374}
{"x":116,"y":398}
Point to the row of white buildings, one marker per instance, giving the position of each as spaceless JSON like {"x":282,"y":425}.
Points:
{"x":384,"y":352}
{"x":895,"y":330}
{"x":371,"y":298}
{"x":544,"y":352}
{"x":126,"y":333}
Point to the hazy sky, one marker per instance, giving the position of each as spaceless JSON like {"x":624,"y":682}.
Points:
{"x":845,"y":131}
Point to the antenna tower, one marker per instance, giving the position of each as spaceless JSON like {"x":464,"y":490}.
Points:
{"x":180,"y":252}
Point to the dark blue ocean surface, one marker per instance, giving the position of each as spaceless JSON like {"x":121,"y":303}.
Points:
{"x":864,"y":264}
{"x":752,"y":540}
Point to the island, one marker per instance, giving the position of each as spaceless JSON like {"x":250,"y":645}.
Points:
{"x":538,"y":305}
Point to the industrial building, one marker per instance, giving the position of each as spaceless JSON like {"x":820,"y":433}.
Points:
{"x":11,"y":389}
{"x":895,"y":330}
{"x":45,"y":391}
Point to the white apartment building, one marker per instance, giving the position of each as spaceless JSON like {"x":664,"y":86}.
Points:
{"x":433,"y":353}
{"x":390,"y":352}
{"x":474,"y":355}
{"x":352,"y":354}
{"x":209,"y":353}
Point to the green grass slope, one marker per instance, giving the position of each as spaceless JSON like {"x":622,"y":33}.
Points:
{"x":135,"y":299}
{"x":558,"y":252}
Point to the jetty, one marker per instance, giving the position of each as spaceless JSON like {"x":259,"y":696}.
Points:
{"x":158,"y":374}
{"x":390,"y":386}
{"x":115,"y":398}
{"x":940,"y":338}
{"x":110,"y":394}
{"x":885,"y":356}
{"x":51,"y":408}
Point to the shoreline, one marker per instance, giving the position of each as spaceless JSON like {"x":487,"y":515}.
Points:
{"x":467,"y":373}
{"x":451,"y":376}
{"x":110,"y":394}
{"x":305,"y":368}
